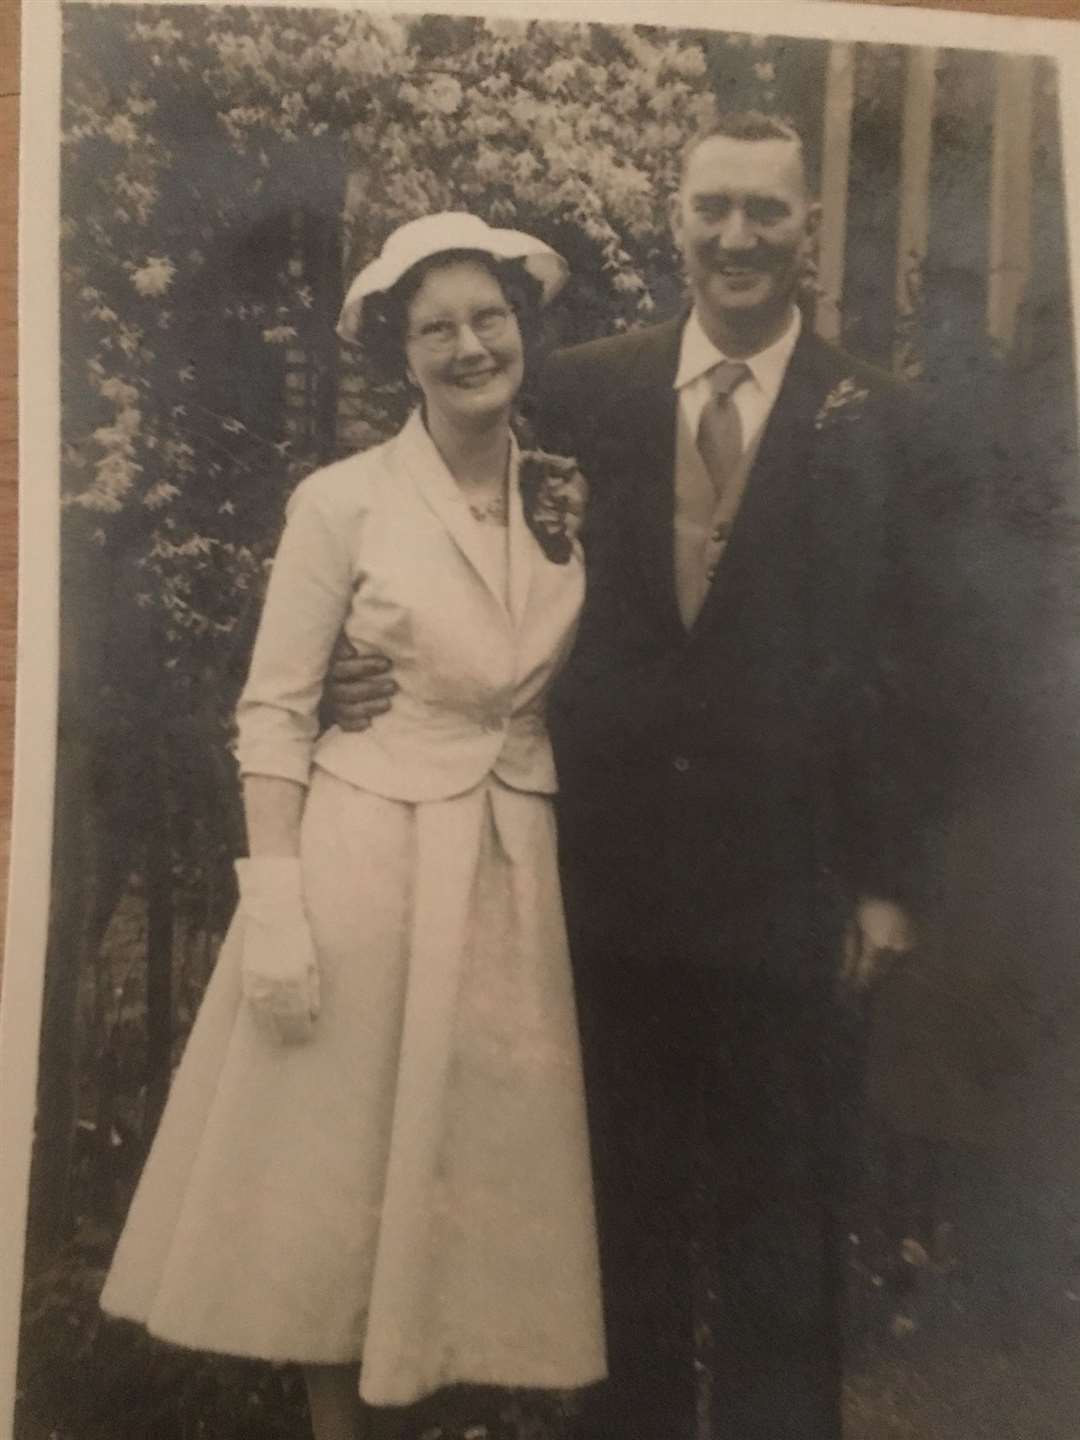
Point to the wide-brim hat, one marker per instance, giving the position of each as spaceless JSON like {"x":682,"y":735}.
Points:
{"x":449,"y":230}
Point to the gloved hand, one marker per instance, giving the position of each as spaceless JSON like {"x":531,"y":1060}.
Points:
{"x":279,"y":973}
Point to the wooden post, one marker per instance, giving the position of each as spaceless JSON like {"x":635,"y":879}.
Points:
{"x":1010,"y":199}
{"x":913,"y":226}
{"x":835,"y":165}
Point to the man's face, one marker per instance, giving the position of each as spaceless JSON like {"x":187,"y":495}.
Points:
{"x":743,"y":221}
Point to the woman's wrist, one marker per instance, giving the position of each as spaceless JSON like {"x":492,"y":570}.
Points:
{"x":273,"y":808}
{"x":269,"y":883}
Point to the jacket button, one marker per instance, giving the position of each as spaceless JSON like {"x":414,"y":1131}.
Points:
{"x":681,"y":763}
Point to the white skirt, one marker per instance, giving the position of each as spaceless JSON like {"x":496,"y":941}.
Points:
{"x":411,"y":1188}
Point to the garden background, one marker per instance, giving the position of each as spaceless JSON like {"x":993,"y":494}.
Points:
{"x":224,"y":171}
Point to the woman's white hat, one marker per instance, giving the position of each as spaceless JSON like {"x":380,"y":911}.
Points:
{"x":449,"y":230}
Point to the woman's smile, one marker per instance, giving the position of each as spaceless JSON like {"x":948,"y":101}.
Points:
{"x":475,"y":379}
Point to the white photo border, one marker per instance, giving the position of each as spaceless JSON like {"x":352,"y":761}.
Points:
{"x":39,"y":459}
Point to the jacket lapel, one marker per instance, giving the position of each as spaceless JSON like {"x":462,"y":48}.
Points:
{"x":440,"y":492}
{"x":647,"y":413}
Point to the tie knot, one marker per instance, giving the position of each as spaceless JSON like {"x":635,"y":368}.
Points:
{"x":727,"y":376}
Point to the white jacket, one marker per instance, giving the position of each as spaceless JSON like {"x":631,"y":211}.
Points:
{"x":383,"y":544}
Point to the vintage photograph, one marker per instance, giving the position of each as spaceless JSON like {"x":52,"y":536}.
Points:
{"x":564,"y":905}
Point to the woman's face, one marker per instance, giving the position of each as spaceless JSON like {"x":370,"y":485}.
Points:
{"x":463,"y":345}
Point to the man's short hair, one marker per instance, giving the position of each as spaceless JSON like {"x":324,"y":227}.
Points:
{"x":745,"y":125}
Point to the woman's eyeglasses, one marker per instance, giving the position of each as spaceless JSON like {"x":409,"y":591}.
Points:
{"x":439,"y":337}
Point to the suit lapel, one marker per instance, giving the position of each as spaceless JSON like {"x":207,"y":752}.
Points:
{"x":647,"y":412}
{"x":440,"y":492}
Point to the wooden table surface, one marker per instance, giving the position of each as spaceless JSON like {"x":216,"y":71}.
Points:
{"x":9,"y":128}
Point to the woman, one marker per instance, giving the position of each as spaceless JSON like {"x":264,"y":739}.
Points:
{"x":375,"y":1150}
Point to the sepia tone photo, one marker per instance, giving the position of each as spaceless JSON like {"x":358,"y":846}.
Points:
{"x":563,"y":920}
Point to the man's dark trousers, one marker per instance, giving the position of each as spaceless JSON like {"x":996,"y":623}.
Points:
{"x":719,"y":1108}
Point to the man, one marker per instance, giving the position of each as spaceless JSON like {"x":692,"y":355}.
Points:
{"x":746,"y":784}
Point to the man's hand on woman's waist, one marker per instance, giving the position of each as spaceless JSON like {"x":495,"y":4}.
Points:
{"x":358,"y":687}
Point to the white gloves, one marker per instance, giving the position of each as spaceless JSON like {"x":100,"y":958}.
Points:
{"x":278,"y":971}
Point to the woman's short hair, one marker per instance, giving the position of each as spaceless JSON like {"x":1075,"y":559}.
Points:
{"x":386,"y":313}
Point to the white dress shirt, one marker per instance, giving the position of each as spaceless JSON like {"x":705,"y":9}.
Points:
{"x":754,"y":398}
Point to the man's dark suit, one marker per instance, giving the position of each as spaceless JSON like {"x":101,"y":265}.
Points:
{"x":726,"y":795}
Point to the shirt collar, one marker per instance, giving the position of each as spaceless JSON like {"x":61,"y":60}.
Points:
{"x":698,"y":355}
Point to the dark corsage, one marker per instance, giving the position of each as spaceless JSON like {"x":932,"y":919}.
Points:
{"x":553,"y":496}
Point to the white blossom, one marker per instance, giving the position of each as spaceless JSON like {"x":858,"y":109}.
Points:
{"x":122,"y":131}
{"x":155,"y":276}
{"x":444,"y":94}
{"x":160,"y":494}
{"x":119,"y":391}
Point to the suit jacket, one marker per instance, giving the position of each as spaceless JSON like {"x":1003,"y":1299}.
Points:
{"x":727,"y":791}
{"x":383,"y":546}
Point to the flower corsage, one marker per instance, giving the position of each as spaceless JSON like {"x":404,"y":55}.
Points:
{"x":846,"y":401}
{"x":553,"y":496}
